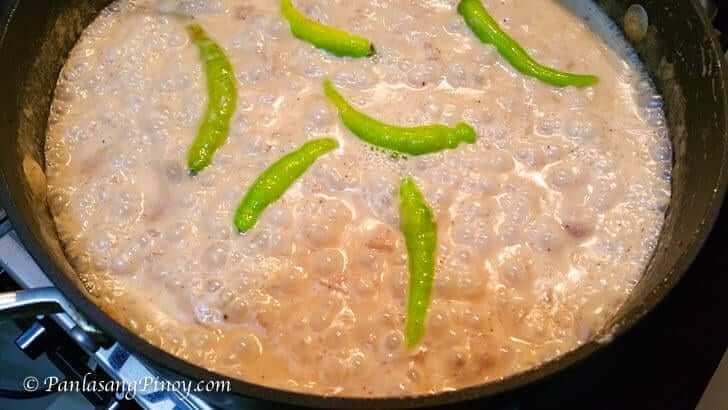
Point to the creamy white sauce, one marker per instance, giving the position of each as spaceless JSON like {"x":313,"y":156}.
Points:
{"x":546,"y":223}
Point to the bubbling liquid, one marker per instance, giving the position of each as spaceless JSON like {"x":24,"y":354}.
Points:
{"x":545,"y":223}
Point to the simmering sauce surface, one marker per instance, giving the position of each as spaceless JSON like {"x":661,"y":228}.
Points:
{"x":545,"y":223}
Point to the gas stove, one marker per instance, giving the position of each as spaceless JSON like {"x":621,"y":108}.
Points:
{"x":57,"y":342}
{"x":646,"y":355}
{"x":668,"y":361}
{"x":60,"y":338}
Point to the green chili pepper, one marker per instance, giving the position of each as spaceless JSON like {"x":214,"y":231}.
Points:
{"x":331,"y":39}
{"x":275,"y":180}
{"x":420,"y":140}
{"x":488,"y":31}
{"x":420,"y":234}
{"x":222,"y":97}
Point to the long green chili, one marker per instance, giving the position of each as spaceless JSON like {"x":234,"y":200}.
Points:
{"x":222,"y":97}
{"x":488,"y":31}
{"x":420,"y":234}
{"x":275,"y":180}
{"x":420,"y":140}
{"x":331,"y":39}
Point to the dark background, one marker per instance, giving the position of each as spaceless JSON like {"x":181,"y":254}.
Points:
{"x":666,"y":361}
{"x":721,"y":21}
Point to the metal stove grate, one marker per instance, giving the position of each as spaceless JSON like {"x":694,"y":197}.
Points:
{"x":113,"y":362}
{"x":116,"y":363}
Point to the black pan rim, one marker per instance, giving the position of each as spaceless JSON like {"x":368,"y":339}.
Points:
{"x":162,"y":359}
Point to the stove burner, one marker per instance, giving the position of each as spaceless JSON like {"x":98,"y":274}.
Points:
{"x":79,"y":358}
{"x":73,"y":352}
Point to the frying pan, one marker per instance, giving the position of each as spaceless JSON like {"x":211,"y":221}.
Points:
{"x":680,"y":51}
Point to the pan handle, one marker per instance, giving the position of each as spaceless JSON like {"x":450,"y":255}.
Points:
{"x":40,"y":301}
{"x":47,"y":301}
{"x":31,"y":302}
